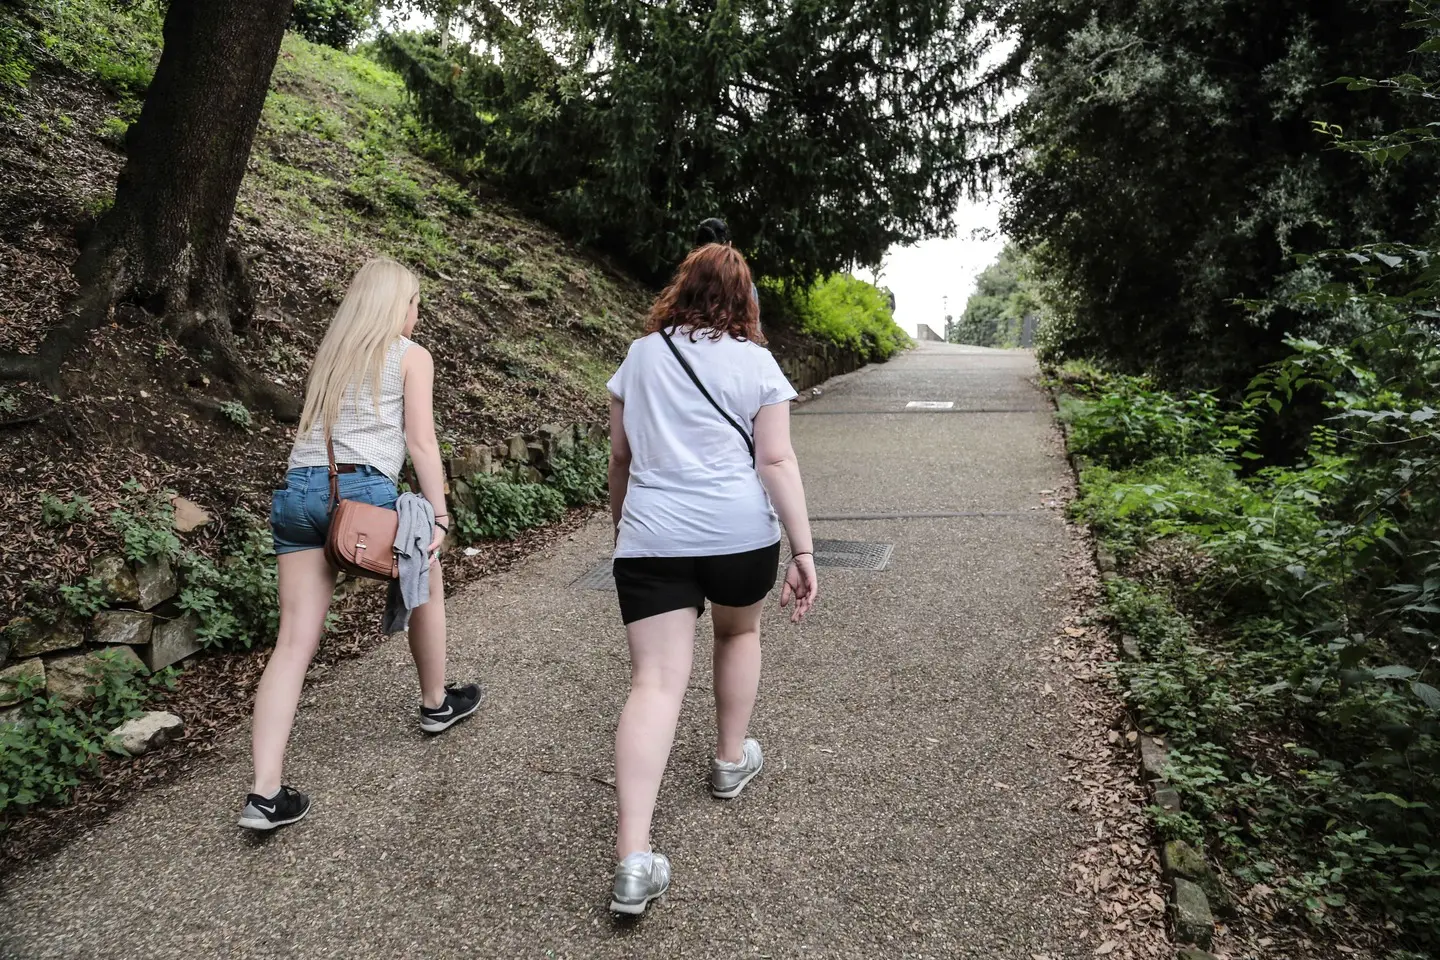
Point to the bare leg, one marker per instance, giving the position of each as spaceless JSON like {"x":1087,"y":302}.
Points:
{"x":307,"y":583}
{"x":427,"y":641}
{"x":660,"y":652}
{"x":737,"y":675}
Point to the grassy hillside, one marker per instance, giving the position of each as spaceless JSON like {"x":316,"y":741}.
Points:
{"x":524,"y":326}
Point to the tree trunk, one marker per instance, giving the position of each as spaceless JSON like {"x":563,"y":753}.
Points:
{"x":163,"y":244}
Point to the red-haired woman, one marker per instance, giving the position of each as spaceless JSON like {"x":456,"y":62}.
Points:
{"x":702,"y":476}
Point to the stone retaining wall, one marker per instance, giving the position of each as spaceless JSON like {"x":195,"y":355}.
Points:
{"x":814,"y":367}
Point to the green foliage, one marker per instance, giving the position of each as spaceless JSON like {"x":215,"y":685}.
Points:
{"x":1295,"y":605}
{"x":454,"y":199}
{"x":1169,"y":165}
{"x":15,"y":67}
{"x":1004,"y":296}
{"x":852,"y":314}
{"x":237,"y":413}
{"x":296,"y":114}
{"x":333,"y":23}
{"x":627,"y":123}
{"x":1131,"y":420}
{"x":84,"y":599}
{"x":147,"y":528}
{"x":51,"y":746}
{"x":55,"y":512}
{"x":503,"y":509}
{"x":236,"y":599}
{"x":115,"y":44}
{"x":581,"y":473}
{"x":113,"y":132}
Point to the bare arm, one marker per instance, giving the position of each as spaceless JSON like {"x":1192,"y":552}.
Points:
{"x":779,"y":471}
{"x":619,"y":461}
{"x":418,"y":370}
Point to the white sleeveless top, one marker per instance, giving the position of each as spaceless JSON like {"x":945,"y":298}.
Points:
{"x":361,"y":434}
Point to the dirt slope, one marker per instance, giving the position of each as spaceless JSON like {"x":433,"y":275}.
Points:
{"x":525,"y":327}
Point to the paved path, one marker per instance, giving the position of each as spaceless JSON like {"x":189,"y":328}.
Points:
{"x":911,"y":806}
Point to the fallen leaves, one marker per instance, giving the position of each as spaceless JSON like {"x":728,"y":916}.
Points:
{"x":1115,"y":870}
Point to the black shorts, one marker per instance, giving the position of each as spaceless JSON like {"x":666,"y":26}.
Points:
{"x":649,"y":586}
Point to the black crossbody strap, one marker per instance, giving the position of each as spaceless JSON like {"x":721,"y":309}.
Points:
{"x":749,"y":443}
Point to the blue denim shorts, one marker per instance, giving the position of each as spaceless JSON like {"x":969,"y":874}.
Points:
{"x":300,"y":514}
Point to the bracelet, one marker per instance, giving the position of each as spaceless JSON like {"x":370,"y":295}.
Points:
{"x":802,"y":553}
{"x":444,"y":529}
{"x":439,"y":515}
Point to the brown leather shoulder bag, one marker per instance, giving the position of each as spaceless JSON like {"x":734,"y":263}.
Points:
{"x":361,"y":541}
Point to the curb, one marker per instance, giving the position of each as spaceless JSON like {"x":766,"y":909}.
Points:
{"x":1192,"y":881}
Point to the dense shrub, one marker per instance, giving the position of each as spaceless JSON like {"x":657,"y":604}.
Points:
{"x":853,"y":314}
{"x":1159,"y":181}
{"x":1005,"y":294}
{"x":334,"y":23}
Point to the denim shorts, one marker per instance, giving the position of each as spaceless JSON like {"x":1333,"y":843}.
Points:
{"x":300,"y":514}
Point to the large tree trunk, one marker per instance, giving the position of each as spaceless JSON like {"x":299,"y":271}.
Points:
{"x":163,"y":244}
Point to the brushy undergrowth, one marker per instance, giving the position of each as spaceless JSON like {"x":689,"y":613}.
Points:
{"x":1287,"y":614}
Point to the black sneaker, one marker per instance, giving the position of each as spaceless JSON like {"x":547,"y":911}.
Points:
{"x":459,"y":703}
{"x":267,"y":813}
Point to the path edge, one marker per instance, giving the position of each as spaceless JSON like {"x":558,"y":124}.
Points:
{"x":1191,"y":916}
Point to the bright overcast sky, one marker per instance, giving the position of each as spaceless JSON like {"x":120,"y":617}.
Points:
{"x":923,"y":275}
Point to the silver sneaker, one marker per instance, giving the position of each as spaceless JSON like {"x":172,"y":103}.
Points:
{"x":639,"y":878}
{"x":728,"y":779}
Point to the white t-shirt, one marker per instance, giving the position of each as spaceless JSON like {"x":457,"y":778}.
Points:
{"x":693,"y":491}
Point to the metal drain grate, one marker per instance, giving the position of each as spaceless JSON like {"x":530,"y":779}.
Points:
{"x":598,"y":577}
{"x":856,"y":554}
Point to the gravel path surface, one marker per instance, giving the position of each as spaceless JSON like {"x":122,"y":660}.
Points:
{"x":912,"y":803}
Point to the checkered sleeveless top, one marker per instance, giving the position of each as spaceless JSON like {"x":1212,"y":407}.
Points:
{"x":361,"y":434}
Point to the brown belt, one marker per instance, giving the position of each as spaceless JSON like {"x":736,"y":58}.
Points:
{"x":347,"y":467}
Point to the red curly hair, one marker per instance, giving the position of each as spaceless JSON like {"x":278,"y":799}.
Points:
{"x":712,"y":294}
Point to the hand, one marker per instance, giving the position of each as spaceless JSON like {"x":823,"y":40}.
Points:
{"x":801,"y":587}
{"x":437,"y":542}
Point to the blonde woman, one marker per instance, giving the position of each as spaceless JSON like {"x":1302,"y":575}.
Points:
{"x":370,"y":391}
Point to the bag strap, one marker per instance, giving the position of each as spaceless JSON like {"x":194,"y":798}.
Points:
{"x":749,"y":443}
{"x":334,"y":474}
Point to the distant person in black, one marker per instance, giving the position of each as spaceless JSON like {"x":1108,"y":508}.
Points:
{"x":714,"y":230}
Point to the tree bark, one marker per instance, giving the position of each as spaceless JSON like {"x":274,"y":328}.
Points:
{"x":188,"y":151}
{"x":163,"y":243}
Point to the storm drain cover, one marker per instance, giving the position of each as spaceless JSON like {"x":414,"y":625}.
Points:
{"x":598,"y":577}
{"x":930,"y":405}
{"x":856,"y":554}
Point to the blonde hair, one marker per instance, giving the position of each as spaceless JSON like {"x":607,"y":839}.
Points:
{"x":353,"y":352}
